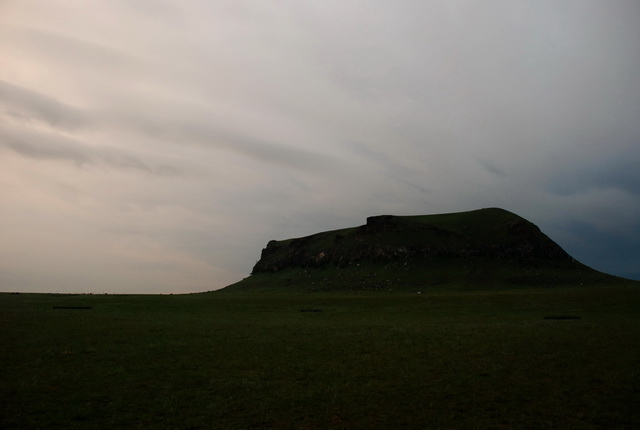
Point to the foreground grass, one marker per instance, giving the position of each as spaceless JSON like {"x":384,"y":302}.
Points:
{"x":460,"y":360}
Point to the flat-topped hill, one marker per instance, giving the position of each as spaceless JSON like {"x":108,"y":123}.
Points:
{"x":481,"y":248}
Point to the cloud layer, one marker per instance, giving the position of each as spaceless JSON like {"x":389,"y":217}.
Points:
{"x":156,"y":146}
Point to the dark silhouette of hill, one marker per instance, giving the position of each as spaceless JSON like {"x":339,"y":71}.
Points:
{"x":486,"y":248}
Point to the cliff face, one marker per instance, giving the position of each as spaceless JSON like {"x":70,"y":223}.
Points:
{"x":487,"y":248}
{"x":489,"y":234}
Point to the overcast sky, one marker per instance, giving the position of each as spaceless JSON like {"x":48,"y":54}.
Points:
{"x":156,"y":146}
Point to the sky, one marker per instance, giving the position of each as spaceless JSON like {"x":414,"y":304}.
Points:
{"x":156,"y":146}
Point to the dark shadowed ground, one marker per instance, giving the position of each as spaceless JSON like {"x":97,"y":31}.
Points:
{"x":565,"y":358}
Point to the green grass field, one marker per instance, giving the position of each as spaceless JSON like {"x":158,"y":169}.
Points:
{"x":563,"y":358}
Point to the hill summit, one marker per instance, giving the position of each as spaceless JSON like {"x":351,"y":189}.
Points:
{"x":482,"y":248}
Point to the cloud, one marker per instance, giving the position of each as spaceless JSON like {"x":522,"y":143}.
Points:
{"x":287,"y":156}
{"x":184,"y":136}
{"x":54,"y":147}
{"x":617,"y":170}
{"x":192,"y":126}
{"x":23,"y":104}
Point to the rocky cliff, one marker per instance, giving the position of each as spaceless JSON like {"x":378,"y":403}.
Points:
{"x":489,"y":233}
{"x":486,"y":246}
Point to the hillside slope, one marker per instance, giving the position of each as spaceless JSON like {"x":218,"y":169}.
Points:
{"x":477,"y":249}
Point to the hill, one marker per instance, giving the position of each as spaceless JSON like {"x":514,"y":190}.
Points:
{"x":486,"y":248}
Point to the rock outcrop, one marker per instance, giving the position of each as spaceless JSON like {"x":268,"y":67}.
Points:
{"x":482,"y":248}
{"x":389,"y":238}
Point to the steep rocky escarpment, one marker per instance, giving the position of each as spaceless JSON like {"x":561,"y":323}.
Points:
{"x":477,"y":249}
{"x":389,"y":238}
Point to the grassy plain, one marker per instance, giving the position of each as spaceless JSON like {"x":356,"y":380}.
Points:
{"x":561,"y":358}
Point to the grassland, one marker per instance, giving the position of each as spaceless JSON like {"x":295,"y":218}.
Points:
{"x":555,"y":358}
